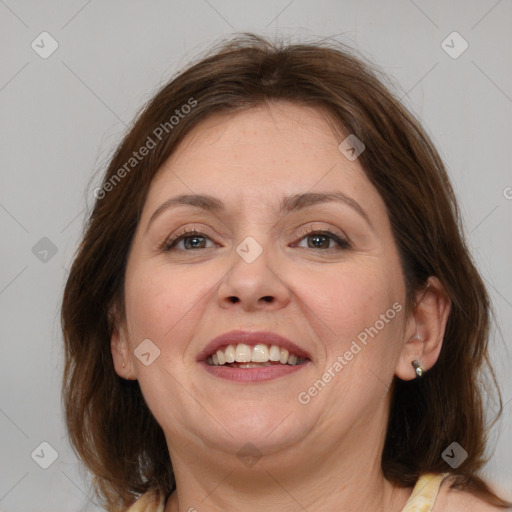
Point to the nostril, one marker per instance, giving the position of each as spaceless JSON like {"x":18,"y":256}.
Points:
{"x":234,"y":299}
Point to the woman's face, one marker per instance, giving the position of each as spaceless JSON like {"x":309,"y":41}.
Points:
{"x":340,"y":302}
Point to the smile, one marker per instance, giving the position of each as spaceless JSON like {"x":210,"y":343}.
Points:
{"x":252,"y":356}
{"x":246,"y":356}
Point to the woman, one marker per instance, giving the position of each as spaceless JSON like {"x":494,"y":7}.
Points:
{"x":273,"y":306}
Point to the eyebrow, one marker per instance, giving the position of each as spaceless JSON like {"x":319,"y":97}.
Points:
{"x":288,"y":204}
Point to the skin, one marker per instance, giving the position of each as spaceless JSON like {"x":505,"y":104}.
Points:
{"x":318,"y":455}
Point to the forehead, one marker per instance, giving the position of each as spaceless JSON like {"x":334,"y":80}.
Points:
{"x":262,"y":154}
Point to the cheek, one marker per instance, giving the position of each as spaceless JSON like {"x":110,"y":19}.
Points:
{"x":355,"y":303}
{"x":162,"y":304}
{"x":165,"y":306}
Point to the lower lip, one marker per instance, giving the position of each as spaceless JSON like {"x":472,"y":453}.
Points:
{"x":259,"y":374}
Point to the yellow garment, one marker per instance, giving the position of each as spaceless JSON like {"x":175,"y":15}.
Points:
{"x":424,"y":493}
{"x":422,"y":498}
{"x":149,"y":502}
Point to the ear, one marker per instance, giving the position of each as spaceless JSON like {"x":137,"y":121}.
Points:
{"x":424,"y":331}
{"x":120,"y":348}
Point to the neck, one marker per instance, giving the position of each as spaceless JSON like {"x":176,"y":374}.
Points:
{"x":346,"y":475}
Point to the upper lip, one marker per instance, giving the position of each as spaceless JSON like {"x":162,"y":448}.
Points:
{"x":251,"y":338}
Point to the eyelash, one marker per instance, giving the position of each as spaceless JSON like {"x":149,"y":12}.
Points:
{"x":169,"y":245}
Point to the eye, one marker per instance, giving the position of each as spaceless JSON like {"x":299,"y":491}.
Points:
{"x":322,"y":239}
{"x":192,"y":239}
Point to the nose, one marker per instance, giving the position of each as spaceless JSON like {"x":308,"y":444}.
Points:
{"x":254,"y":286}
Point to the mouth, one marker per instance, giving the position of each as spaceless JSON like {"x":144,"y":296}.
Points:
{"x":242,"y":355}
{"x":247,"y":356}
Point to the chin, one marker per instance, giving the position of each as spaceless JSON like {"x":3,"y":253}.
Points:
{"x":264,"y":430}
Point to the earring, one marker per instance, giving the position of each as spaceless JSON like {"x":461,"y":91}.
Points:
{"x":418,"y":368}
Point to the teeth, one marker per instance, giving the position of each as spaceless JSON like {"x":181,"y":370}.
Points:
{"x":221,"y":357}
{"x":259,"y":354}
{"x":252,"y":357}
{"x":275,"y":353}
{"x":230,"y":353}
{"x":243,"y":353}
{"x":253,"y":365}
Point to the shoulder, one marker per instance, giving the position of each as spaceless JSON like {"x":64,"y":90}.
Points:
{"x":150,"y":502}
{"x":455,"y":500}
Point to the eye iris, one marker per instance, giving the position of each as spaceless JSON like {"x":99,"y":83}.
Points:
{"x":196,"y":241}
{"x":319,"y":240}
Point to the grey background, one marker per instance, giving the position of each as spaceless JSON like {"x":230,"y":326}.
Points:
{"x":62,"y":117}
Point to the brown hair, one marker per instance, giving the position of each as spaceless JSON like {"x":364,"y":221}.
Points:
{"x":109,"y":423}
